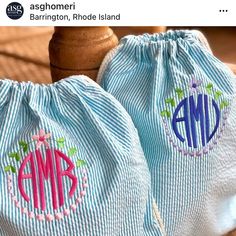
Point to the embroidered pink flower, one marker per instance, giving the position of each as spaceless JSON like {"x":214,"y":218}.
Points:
{"x":49,"y":217}
{"x":194,"y":85}
{"x":40,"y":217}
{"x":24,"y":210}
{"x":31,"y":215}
{"x":41,"y":138}
{"x":66,"y":212}
{"x":58,"y":216}
{"x":73,"y":207}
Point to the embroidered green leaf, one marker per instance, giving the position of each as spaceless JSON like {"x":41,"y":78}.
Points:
{"x":13,"y":169}
{"x":170,"y":101}
{"x":209,"y":88}
{"x":61,"y":145}
{"x":217,"y":95}
{"x":61,"y":142}
{"x":24,"y":146}
{"x":10,"y":168}
{"x":80,"y":163}
{"x":72,"y":151}
{"x":223,"y":104}
{"x":179,"y":92}
{"x":7,"y":168}
{"x":12,"y":155}
{"x":165,"y":113}
{"x":15,"y":155}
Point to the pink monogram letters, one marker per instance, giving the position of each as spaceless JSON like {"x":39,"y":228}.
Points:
{"x":48,"y":169}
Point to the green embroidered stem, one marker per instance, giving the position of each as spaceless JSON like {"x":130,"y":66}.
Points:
{"x":179,"y":92}
{"x":223,"y":104}
{"x":217,"y":95}
{"x":10,"y":168}
{"x":170,"y":101}
{"x":209,"y":88}
{"x":15,"y":155}
{"x":61,"y":142}
{"x":24,"y":146}
{"x":165,"y":113}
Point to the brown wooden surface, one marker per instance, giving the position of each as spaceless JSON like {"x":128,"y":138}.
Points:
{"x":79,"y":50}
{"x":232,"y":233}
{"x":222,"y":41}
{"x":24,"y":53}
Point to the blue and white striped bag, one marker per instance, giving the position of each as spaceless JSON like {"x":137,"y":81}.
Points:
{"x":182,"y":101}
{"x":71,"y":163}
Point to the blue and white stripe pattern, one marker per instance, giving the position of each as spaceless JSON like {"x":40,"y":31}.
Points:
{"x":195,"y":187}
{"x":77,"y":113}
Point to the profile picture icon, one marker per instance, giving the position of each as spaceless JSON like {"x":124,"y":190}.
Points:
{"x":14,"y":10}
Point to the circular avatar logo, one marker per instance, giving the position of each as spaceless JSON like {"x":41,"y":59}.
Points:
{"x":14,"y":10}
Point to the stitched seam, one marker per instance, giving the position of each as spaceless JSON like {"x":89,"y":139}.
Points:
{"x":110,"y":55}
{"x":158,"y":218}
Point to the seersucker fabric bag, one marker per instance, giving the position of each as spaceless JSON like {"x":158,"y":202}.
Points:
{"x":182,"y":101}
{"x":71,"y":163}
